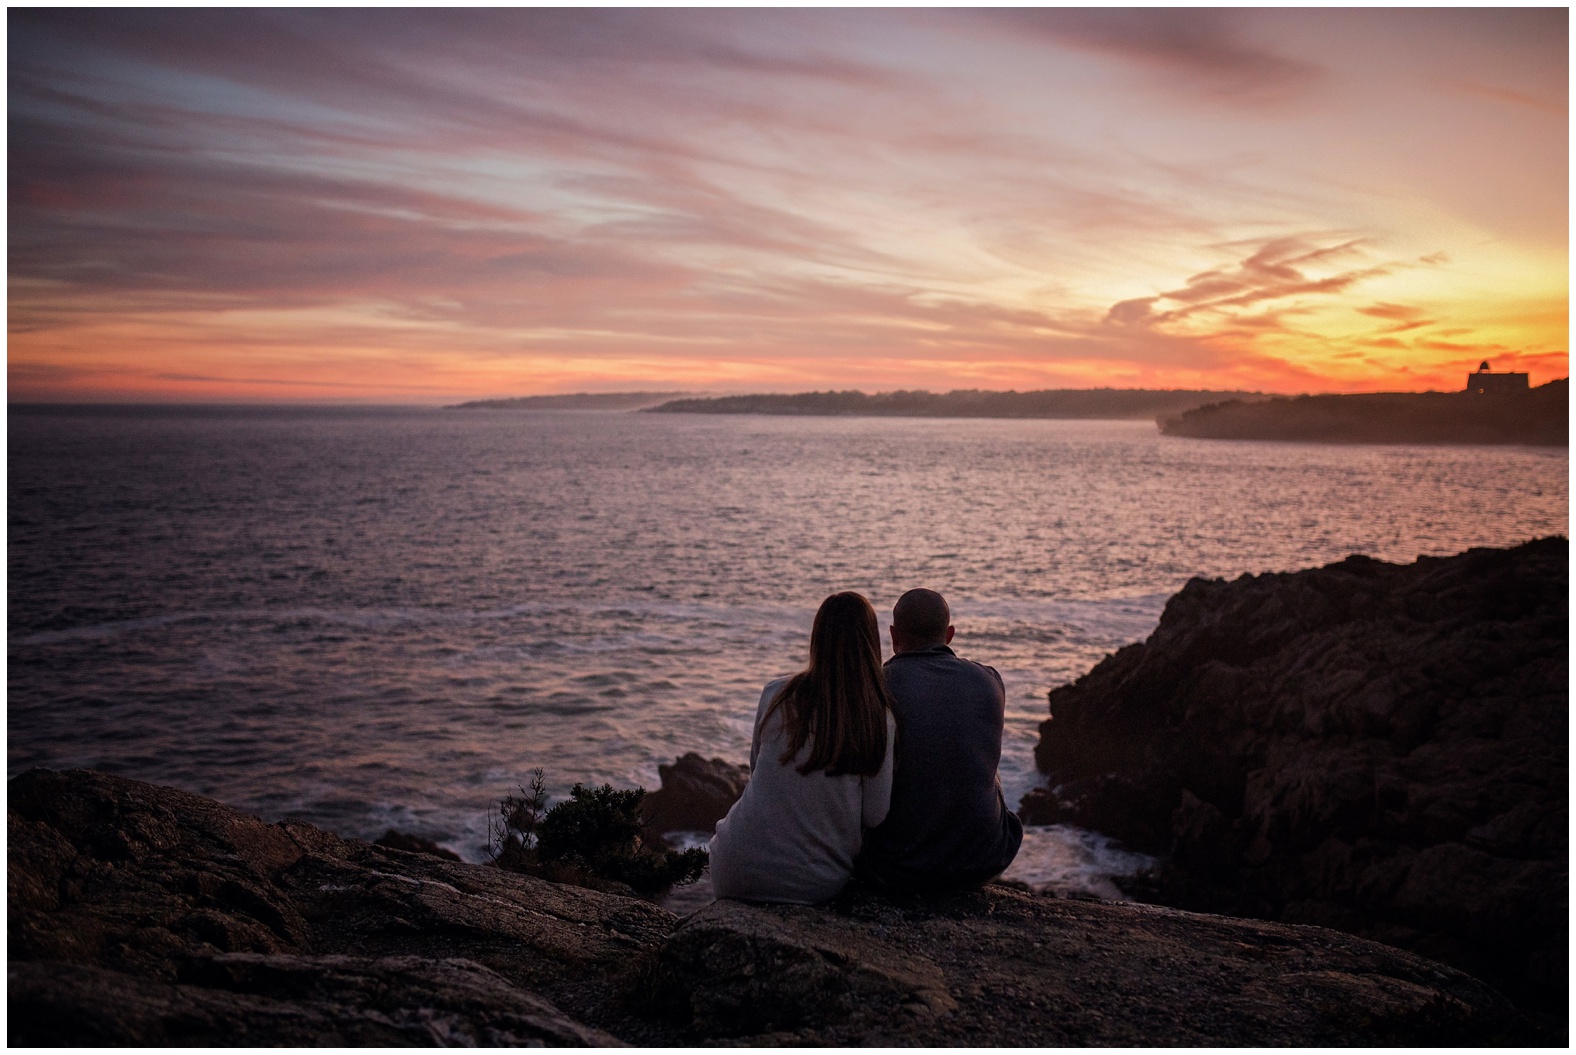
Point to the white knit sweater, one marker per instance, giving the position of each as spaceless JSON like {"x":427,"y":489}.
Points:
{"x":792,"y":838}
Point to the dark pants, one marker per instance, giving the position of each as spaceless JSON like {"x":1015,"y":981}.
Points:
{"x":900,"y":882}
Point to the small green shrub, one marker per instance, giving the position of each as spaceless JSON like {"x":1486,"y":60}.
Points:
{"x":596,"y":834}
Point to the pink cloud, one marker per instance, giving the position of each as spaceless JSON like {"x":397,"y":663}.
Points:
{"x":836,"y":187}
{"x":1203,"y":50}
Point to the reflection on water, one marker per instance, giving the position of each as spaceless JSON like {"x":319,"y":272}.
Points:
{"x":388,"y":619}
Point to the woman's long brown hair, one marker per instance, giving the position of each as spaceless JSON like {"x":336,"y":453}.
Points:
{"x":839,"y":703}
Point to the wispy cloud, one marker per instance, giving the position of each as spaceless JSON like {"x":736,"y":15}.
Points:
{"x":1202,"y":50}
{"x":811,"y":195}
{"x":1276,"y":270}
{"x":1400,"y":316}
{"x":1558,"y":107}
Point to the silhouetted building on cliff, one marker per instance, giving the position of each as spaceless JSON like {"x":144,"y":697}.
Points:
{"x":1484,"y":383}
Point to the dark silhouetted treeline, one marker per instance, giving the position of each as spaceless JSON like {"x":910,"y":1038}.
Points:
{"x":1129,"y":403}
{"x":1540,"y":416}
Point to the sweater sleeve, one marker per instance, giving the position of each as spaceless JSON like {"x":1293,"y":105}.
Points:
{"x":876,"y":791}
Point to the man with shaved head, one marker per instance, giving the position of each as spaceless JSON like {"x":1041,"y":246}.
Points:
{"x":948,"y":826}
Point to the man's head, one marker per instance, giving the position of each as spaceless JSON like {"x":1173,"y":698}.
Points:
{"x":920,"y":619}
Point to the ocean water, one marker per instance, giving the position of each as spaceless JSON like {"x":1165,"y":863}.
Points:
{"x":380,"y":618}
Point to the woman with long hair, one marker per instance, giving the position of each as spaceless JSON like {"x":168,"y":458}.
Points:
{"x":821,"y":768}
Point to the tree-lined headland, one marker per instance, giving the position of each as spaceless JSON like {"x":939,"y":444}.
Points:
{"x":1538,"y":416}
{"x":1109,"y":403}
{"x":573,"y":401}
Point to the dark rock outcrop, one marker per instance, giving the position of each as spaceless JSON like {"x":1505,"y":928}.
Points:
{"x":695,"y":794}
{"x":1372,"y":747}
{"x":142,"y":915}
{"x":145,"y":915}
{"x":397,"y":840}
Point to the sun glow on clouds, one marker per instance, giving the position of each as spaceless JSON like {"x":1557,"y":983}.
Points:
{"x":424,"y":206}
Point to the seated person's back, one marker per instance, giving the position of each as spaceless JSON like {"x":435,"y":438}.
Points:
{"x":821,"y":768}
{"x":792,"y":836}
{"x":947,"y":825}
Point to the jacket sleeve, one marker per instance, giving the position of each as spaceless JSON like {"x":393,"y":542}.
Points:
{"x":876,"y":791}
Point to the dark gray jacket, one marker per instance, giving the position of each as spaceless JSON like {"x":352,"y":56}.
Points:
{"x":948,"y":825}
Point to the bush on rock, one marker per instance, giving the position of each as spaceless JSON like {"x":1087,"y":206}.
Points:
{"x":595,"y":838}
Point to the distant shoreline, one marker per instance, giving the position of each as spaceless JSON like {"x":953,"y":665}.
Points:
{"x":1537,"y":417}
{"x":573,"y":401}
{"x":210,"y":410}
{"x":1131,"y":404}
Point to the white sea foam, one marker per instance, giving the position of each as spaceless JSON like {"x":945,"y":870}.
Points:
{"x":1056,"y":860}
{"x":1066,"y":861}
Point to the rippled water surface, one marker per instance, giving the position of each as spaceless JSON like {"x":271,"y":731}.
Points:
{"x":388,"y":617}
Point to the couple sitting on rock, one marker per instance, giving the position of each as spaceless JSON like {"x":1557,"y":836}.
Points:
{"x":887,"y":773}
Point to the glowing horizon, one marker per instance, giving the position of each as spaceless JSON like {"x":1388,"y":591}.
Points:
{"x":432,"y":206}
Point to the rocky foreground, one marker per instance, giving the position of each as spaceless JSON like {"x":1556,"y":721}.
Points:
{"x":1372,"y":747}
{"x":142,"y":915}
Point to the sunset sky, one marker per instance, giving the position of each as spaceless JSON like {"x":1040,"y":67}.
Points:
{"x":423,"y":206}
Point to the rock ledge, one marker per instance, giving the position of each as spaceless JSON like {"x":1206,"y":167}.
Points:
{"x":142,"y":915}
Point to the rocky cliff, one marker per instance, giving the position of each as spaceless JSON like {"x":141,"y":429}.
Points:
{"x":1373,"y":747}
{"x":141,"y":915}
